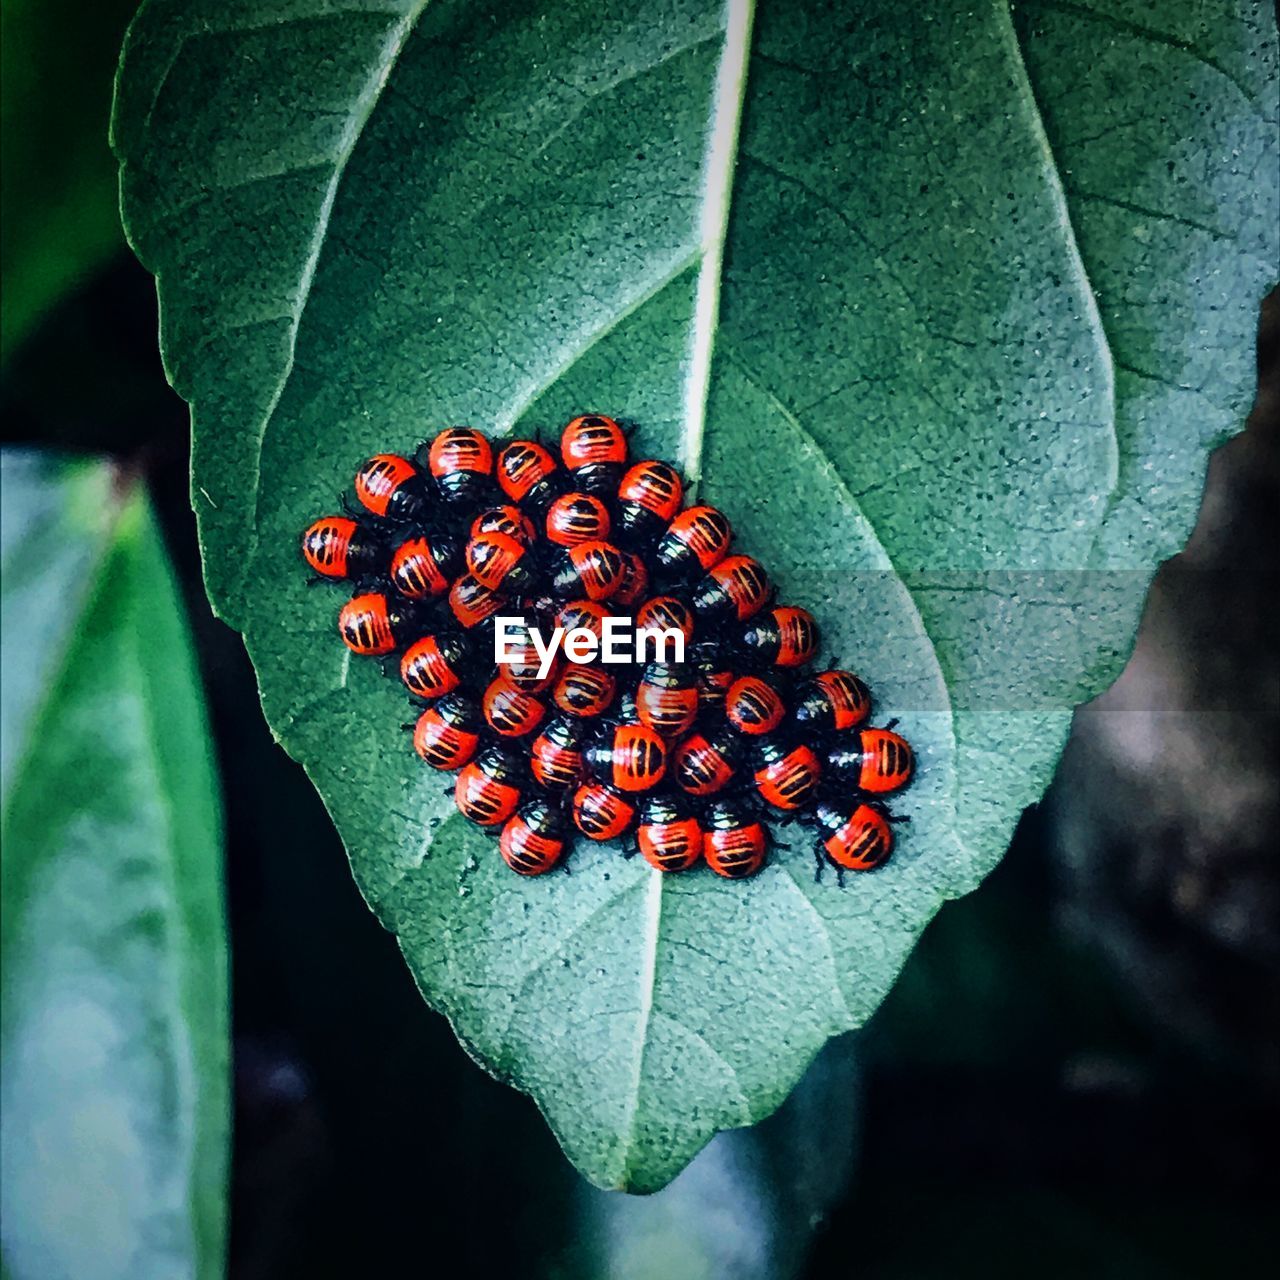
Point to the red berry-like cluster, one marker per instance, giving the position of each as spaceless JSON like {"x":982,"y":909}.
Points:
{"x":695,"y":757}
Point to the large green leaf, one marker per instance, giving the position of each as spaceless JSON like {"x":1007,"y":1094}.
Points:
{"x":944,"y":306}
{"x":114,"y":1023}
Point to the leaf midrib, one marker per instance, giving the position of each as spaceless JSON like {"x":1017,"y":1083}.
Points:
{"x":719,"y":166}
{"x":175,"y":926}
{"x":59,"y":671}
{"x":718,"y":169}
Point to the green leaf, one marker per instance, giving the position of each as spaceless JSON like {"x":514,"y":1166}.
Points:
{"x":57,"y":177}
{"x":945,"y":324}
{"x":114,"y":1023}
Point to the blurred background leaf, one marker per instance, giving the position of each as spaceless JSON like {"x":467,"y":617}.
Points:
{"x":114,"y":1046}
{"x":61,"y":210}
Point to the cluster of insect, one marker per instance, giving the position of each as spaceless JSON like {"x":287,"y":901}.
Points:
{"x":696,"y":760}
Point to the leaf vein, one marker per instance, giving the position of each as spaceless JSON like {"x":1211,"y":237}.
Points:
{"x":745,"y":1102}
{"x":1150,"y":34}
{"x":1097,"y":197}
{"x":789,"y":878}
{"x":207,"y":29}
{"x":392,"y":48}
{"x":579,"y":350}
{"x":245,"y":181}
{"x":869,"y":530}
{"x":1057,"y":192}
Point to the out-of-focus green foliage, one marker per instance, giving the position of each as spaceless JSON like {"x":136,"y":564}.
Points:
{"x":57,"y":178}
{"x":113,"y":1030}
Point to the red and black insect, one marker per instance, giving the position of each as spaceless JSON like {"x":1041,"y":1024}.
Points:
{"x":704,"y":764}
{"x":391,"y":486}
{"x":600,"y":812}
{"x":421,"y":567}
{"x":715,"y":674}
{"x":471,"y":602}
{"x":526,"y":474}
{"x":649,"y":498}
{"x":785,"y":637}
{"x":447,"y":734}
{"x":832,"y":702}
{"x":434,"y":665}
{"x":690,"y":753}
{"x":855,"y":836}
{"x":635,"y":581}
{"x":505,"y":519}
{"x":734,"y":842}
{"x":575,"y":518}
{"x":371,"y":625}
{"x":461,"y":463}
{"x":736,"y":587}
{"x":488,"y":789}
{"x":510,"y":712}
{"x":668,"y":833}
{"x":666,"y":614}
{"x":695,"y":541}
{"x":667,"y":698}
{"x":533,"y":840}
{"x":594,"y":448}
{"x":632,"y":757}
{"x":786,"y":776}
{"x":878,"y":762}
{"x":524,"y":670}
{"x":585,"y":615}
{"x":591,"y":569}
{"x":500,"y":562}
{"x":555,"y":760}
{"x":753,"y":706}
{"x":584,"y":691}
{"x":337,"y":547}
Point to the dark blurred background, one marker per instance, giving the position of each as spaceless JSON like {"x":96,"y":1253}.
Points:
{"x":1077,"y":1074}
